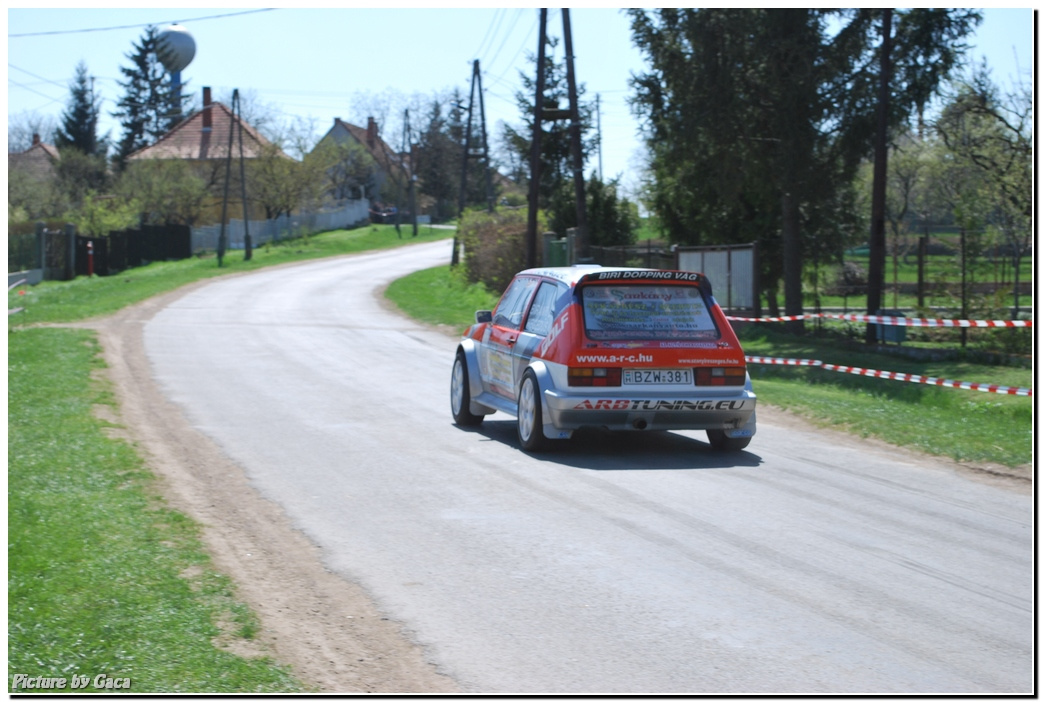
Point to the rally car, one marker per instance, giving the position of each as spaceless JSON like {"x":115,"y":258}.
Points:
{"x":616,"y":348}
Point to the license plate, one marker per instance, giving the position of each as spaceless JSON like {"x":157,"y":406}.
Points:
{"x":676,"y":376}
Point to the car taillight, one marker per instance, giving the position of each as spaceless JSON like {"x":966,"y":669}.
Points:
{"x":594,"y":377}
{"x":720,"y":376}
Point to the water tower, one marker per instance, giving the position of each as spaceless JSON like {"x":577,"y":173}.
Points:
{"x":175,"y":49}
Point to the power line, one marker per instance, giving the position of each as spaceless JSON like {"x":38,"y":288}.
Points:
{"x":489,"y":34}
{"x":513,"y":60}
{"x":45,"y":80}
{"x":135,"y":26}
{"x":516,"y":18}
{"x":31,"y":90}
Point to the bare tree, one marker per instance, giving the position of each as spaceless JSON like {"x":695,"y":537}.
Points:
{"x":22,"y":127}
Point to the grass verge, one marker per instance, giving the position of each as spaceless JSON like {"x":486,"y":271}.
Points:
{"x":966,"y":425}
{"x":102,"y":578}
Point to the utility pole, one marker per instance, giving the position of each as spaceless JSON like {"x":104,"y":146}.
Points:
{"x":576,"y":141}
{"x":536,"y":144}
{"x":599,"y":141}
{"x":482,"y":152}
{"x":222,"y":241}
{"x":406,"y":148}
{"x":572,"y":114}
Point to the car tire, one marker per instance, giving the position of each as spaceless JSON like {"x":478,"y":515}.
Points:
{"x":529,"y":414}
{"x":721,"y":442}
{"x":460,"y":394}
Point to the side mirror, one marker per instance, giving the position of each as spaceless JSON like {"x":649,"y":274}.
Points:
{"x":482,"y":316}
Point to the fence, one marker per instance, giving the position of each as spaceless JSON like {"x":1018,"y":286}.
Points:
{"x":130,"y":248}
{"x":56,"y":252}
{"x":349,"y":214}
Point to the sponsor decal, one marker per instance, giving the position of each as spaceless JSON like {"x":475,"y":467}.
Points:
{"x":554,"y":332}
{"x":644,"y":275}
{"x":711,"y":361}
{"x":689,"y":345}
{"x":615,"y":358}
{"x":661,"y":405}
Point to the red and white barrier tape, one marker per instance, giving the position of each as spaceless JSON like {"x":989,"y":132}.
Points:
{"x":912,"y":322}
{"x":889,"y":375}
{"x":893,"y":321}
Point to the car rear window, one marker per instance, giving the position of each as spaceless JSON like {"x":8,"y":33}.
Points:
{"x":646,"y":312}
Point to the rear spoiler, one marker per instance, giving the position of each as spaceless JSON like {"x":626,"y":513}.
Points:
{"x":647,"y":276}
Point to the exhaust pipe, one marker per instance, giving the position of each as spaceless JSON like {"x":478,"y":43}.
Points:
{"x":640,"y":424}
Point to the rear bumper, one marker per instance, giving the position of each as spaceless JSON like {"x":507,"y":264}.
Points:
{"x":569,"y":412}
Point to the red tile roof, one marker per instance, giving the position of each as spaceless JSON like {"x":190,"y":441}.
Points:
{"x":39,"y":160}
{"x":190,"y":140}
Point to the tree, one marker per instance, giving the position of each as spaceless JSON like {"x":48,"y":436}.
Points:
{"x":79,"y":122}
{"x":756,"y":121}
{"x":993,"y":135}
{"x":79,"y":173}
{"x":349,"y":168}
{"x":22,"y":127}
{"x":149,"y":108}
{"x":556,"y":162}
{"x":613,"y":219}
{"x":98,"y":215}
{"x":439,"y":155}
{"x":167,"y":191}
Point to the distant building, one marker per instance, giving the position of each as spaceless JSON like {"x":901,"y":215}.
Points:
{"x":204,"y":137}
{"x":39,"y":161}
{"x":202,"y":141}
{"x":389,"y":163}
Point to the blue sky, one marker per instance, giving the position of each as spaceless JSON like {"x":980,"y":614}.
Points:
{"x":347,"y":62}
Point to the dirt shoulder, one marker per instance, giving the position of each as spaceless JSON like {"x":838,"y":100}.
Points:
{"x":327,"y":628}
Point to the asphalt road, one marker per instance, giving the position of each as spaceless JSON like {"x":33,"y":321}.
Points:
{"x":619,"y":564}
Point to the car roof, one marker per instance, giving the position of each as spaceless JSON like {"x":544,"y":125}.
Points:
{"x":573,"y":275}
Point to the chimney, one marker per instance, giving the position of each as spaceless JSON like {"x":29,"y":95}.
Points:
{"x":36,"y":139}
{"x":372,"y":132}
{"x":207,"y":113}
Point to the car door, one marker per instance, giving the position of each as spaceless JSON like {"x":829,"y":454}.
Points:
{"x":500,"y":337}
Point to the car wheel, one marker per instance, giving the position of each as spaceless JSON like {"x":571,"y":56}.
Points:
{"x":529,"y":414}
{"x":460,"y":394}
{"x":721,"y":442}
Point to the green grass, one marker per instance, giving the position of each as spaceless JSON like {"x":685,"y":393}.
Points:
{"x":440,"y":296}
{"x":82,"y":298}
{"x":102,"y":577}
{"x":965,"y":425}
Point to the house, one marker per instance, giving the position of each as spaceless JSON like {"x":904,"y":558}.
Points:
{"x":202,"y":140}
{"x":39,"y":161}
{"x":204,"y":137}
{"x":390,"y":166}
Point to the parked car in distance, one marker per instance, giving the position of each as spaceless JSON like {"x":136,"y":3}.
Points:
{"x":624,"y":349}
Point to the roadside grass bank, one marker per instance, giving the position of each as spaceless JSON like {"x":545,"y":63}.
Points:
{"x":103,"y":579}
{"x":965,"y":425}
{"x":82,"y":298}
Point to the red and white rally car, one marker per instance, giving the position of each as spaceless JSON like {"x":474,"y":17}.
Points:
{"x":615,"y":348}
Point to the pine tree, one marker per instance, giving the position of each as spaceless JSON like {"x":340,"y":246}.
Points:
{"x":149,"y":108}
{"x":79,"y":123}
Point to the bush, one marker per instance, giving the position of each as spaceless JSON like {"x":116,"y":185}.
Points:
{"x":494,"y":245}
